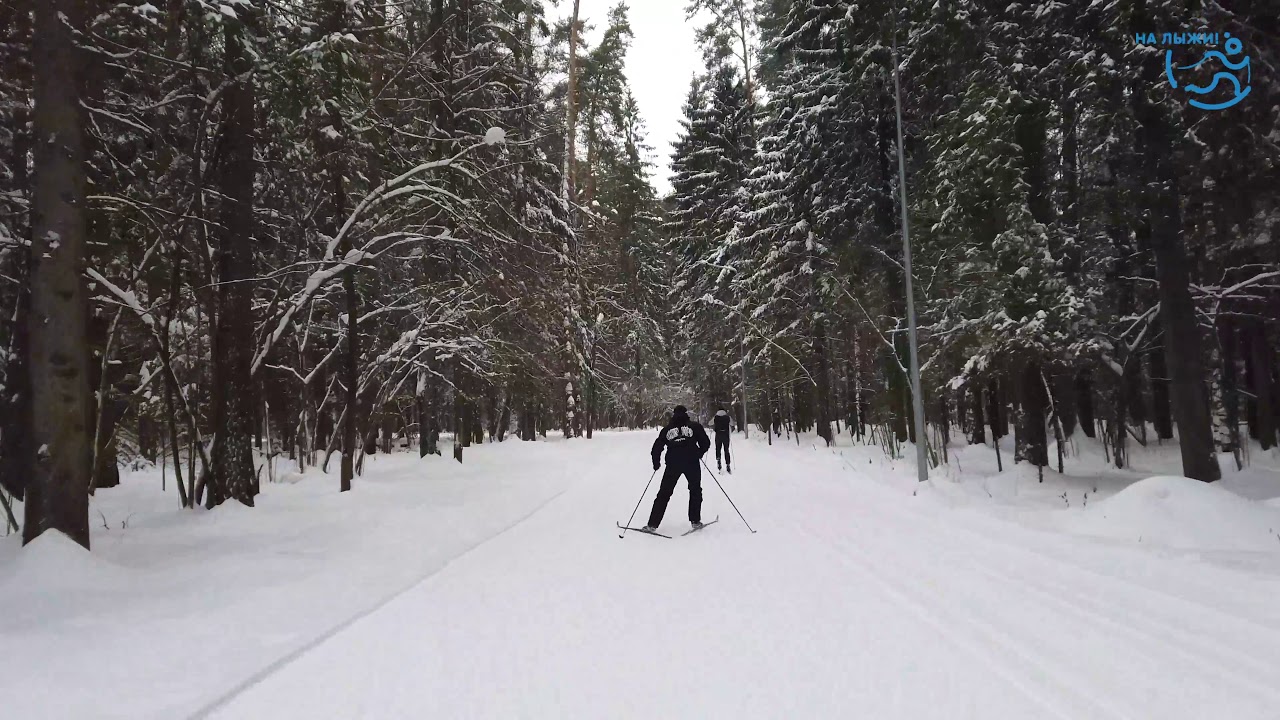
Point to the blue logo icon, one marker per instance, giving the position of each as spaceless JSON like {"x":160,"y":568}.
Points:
{"x":1226,"y":89}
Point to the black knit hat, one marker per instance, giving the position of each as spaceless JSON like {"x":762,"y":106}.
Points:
{"x":680,"y":410}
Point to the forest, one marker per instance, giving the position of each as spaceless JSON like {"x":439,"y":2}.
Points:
{"x":235,"y":230}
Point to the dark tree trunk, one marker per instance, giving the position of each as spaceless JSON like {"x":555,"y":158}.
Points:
{"x":461,"y":420}
{"x":336,"y":150}
{"x":15,"y":405}
{"x":1064,"y":402}
{"x":231,"y":475}
{"x":995,"y":411}
{"x":108,"y":411}
{"x":823,"y":390}
{"x":1033,"y":402}
{"x":1159,"y":375}
{"x":146,"y":438}
{"x":174,"y":448}
{"x":420,"y":406}
{"x":15,"y":399}
{"x":504,"y":417}
{"x":1183,"y":350}
{"x":57,"y":461}
{"x":1182,"y":341}
{"x":1134,"y":401}
{"x":1084,"y":404}
{"x":944,"y":423}
{"x":524,"y":425}
{"x":432,"y":418}
{"x":979,"y":418}
{"x":1230,"y":384}
{"x":1262,"y":416}
{"x":491,"y":412}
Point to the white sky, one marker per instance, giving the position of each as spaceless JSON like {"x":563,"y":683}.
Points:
{"x":662,"y":59}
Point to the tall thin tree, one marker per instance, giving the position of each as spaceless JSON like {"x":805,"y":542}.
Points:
{"x":58,"y":482}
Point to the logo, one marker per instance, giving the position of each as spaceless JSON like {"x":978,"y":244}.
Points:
{"x":679,"y":434}
{"x":1232,"y":73}
{"x":1223,"y":84}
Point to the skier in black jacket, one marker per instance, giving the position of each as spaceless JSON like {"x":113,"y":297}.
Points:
{"x":721,"y":425}
{"x":686,"y":442}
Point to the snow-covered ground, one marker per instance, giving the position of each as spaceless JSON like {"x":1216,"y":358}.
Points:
{"x":500,"y":589}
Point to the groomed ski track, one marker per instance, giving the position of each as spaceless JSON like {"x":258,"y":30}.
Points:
{"x":854,"y":600}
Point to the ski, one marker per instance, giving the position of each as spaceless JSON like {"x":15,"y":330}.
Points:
{"x":642,"y":532}
{"x":694,"y":530}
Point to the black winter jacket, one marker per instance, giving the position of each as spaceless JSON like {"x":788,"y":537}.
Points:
{"x":721,"y":422}
{"x":685,"y":440}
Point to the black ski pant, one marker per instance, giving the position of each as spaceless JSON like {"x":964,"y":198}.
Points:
{"x":693,"y":473}
{"x":722,"y":441}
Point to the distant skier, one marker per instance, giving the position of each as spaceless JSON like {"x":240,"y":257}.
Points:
{"x":721,"y":425}
{"x":686,"y":442}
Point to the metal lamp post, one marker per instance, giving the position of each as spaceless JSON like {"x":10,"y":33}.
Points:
{"x":917,"y":404}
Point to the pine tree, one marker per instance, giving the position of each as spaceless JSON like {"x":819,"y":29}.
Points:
{"x":57,"y":473}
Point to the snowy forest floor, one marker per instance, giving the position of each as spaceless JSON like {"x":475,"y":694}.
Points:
{"x":499,"y":589}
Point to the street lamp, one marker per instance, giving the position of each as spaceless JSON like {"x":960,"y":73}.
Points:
{"x":917,"y":404}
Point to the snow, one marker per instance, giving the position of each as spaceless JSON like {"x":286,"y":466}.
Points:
{"x":495,"y":136}
{"x":499,"y":588}
{"x":1183,"y":513}
{"x":54,"y":561}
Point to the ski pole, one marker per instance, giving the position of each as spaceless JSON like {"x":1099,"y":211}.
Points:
{"x":633,"y":512}
{"x":726,"y":496}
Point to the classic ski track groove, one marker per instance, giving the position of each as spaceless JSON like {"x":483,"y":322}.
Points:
{"x":894,"y":501}
{"x":964,"y":588}
{"x":1161,"y":632}
{"x":281,"y":663}
{"x":1193,"y":606}
{"x":1175,"y":638}
{"x":1056,"y":656}
{"x":937,"y":617}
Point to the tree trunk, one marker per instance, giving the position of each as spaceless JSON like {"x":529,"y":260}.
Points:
{"x":15,"y":405}
{"x":15,"y":401}
{"x":461,"y":422}
{"x":823,"y":389}
{"x":174,"y":448}
{"x":1084,"y":404}
{"x":1230,"y":385}
{"x":504,"y":417}
{"x":1183,"y":351}
{"x":979,"y":436}
{"x":1064,"y":402}
{"x":1159,"y":375}
{"x":1134,"y":402}
{"x":1262,"y":415}
{"x":1182,"y":341}
{"x":104,"y":410}
{"x":57,"y":477}
{"x":571,"y":108}
{"x":420,"y":405}
{"x":995,"y":411}
{"x":1032,"y":401}
{"x":232,"y":474}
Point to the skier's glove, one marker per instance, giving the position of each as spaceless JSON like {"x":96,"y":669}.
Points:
{"x":656,"y":465}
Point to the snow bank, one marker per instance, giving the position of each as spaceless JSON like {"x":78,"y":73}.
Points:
{"x":54,"y":561}
{"x":1182,"y":513}
{"x":236,"y":589}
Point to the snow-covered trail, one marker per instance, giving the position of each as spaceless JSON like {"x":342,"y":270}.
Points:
{"x":854,"y":600}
